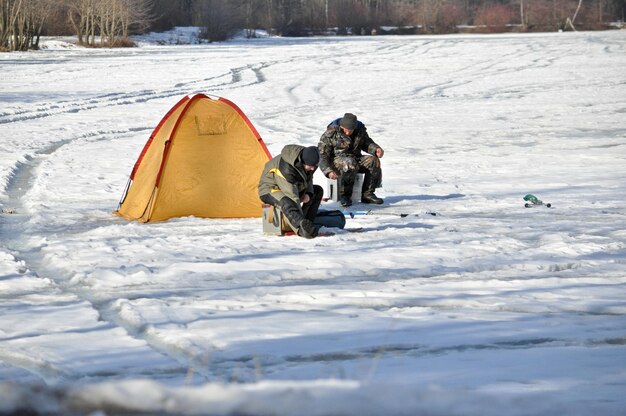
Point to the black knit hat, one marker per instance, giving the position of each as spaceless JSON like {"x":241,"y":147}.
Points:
{"x":311,"y":156}
{"x":348,"y":121}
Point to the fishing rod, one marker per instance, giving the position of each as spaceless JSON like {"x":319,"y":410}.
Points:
{"x":353,"y":214}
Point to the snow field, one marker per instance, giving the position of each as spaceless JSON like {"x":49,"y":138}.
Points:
{"x":485,"y":307}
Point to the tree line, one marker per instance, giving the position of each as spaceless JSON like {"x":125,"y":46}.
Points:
{"x":310,"y":17}
{"x":109,"y":23}
{"x":94,"y":22}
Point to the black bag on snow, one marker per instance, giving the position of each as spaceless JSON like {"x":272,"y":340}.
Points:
{"x":330,"y":219}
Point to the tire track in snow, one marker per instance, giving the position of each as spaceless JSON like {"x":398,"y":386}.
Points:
{"x":234,"y":78}
{"x":496,"y":66}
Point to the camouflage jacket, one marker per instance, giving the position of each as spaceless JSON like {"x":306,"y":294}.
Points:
{"x":284,"y":175}
{"x":334,"y":143}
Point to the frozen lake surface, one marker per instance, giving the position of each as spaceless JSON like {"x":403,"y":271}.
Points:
{"x":483,"y":309}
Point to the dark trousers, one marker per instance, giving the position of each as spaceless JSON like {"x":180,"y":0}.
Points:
{"x":292,"y":211}
{"x":367,"y":164}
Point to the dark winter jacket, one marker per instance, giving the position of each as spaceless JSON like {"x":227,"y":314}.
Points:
{"x":284,"y":175}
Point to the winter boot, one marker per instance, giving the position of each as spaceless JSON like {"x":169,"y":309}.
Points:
{"x":371,"y":198}
{"x":371,"y":181}
{"x":307,"y":229}
{"x":345,"y":201}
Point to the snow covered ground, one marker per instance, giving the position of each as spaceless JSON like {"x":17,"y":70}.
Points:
{"x":487,"y":308}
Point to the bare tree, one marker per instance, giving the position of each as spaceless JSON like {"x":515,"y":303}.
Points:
{"x":252,"y":13}
{"x":121,"y":17}
{"x":8,"y":16}
{"x":219,"y":19}
{"x":493,"y":18}
{"x":570,"y":22}
{"x":81,"y":17}
{"x":288,"y":17}
{"x":430,"y":13}
{"x":110,"y":20}
{"x":22,"y":22}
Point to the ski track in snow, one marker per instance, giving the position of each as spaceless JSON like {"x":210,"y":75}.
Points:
{"x":213,"y":84}
{"x":538,"y":267}
{"x":19,"y":185}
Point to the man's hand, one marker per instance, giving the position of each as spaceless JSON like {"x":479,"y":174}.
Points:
{"x":379,"y":152}
{"x":305,"y":198}
{"x":332,"y":175}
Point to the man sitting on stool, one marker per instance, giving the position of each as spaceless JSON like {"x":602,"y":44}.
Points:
{"x":287,"y":182}
{"x":340,"y":158}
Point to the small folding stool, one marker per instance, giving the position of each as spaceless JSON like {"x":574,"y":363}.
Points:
{"x":274,"y":222}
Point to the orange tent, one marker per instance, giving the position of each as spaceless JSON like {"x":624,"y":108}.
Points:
{"x":204,"y":159}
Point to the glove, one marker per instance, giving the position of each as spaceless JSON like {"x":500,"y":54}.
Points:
{"x":307,"y":229}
